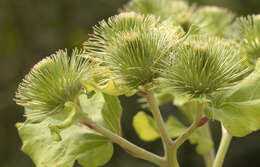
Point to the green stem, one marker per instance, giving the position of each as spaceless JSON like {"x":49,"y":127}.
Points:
{"x":181,"y":139}
{"x":223,"y":147}
{"x":166,"y":140}
{"x":172,"y":157}
{"x":154,"y":107}
{"x":210,"y":156}
{"x":131,"y":148}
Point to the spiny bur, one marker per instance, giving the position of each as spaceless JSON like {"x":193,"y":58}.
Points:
{"x":51,"y":83}
{"x":130,"y":46}
{"x":249,"y":29}
{"x":178,"y":11}
{"x":212,"y":20}
{"x":202,"y":66}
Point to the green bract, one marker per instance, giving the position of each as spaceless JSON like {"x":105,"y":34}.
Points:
{"x":202,"y":66}
{"x":130,"y":47}
{"x":51,"y":83}
{"x":250,"y":37}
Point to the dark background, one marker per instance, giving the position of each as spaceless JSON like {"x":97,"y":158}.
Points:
{"x":33,"y":29}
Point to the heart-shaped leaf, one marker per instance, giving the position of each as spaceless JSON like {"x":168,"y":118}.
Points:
{"x":239,"y":108}
{"x":76,"y":142}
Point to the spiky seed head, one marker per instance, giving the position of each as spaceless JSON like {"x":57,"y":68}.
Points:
{"x":178,"y":11}
{"x":133,"y":56}
{"x":106,"y":30}
{"x":131,"y":52}
{"x":202,"y":66}
{"x":213,"y":20}
{"x":51,"y":83}
{"x":249,"y":30}
{"x":148,"y":7}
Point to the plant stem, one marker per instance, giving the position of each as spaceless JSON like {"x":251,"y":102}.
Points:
{"x":154,"y":107}
{"x":172,"y":157}
{"x":131,"y":148}
{"x":210,"y":156}
{"x":223,"y":147}
{"x":166,"y":140}
{"x":181,"y":139}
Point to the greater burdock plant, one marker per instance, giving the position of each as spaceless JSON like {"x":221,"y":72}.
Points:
{"x":200,"y":59}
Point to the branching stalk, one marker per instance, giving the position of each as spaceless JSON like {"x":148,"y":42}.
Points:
{"x":131,"y":148}
{"x":167,"y":141}
{"x":223,"y":148}
{"x":181,"y":139}
{"x":154,"y":107}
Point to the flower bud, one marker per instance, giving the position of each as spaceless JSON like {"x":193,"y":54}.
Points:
{"x":212,"y":20}
{"x":130,"y":47}
{"x":250,"y":35}
{"x":202,"y":66}
{"x":51,"y":83}
{"x":178,"y":10}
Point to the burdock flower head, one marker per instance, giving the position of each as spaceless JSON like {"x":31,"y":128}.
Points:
{"x":129,"y":46}
{"x":51,"y":83}
{"x":250,"y":35}
{"x":177,"y":11}
{"x":202,"y":66}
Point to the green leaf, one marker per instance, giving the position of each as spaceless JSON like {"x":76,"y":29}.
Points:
{"x":112,"y":112}
{"x":204,"y":144}
{"x":146,"y":129}
{"x":103,"y":109}
{"x":175,"y":127}
{"x":239,"y":108}
{"x":200,"y":137}
{"x":78,"y":143}
{"x":93,"y":107}
{"x":73,"y":140}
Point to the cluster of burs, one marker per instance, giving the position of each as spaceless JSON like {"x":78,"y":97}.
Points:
{"x":177,"y":50}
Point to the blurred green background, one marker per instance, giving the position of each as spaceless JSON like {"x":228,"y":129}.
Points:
{"x":33,"y":29}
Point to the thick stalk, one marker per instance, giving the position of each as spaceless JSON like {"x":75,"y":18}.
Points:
{"x":154,"y":107}
{"x":131,"y":148}
{"x":210,"y":156}
{"x":167,"y":141}
{"x":172,"y":157}
{"x":138,"y":152}
{"x":223,"y":147}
